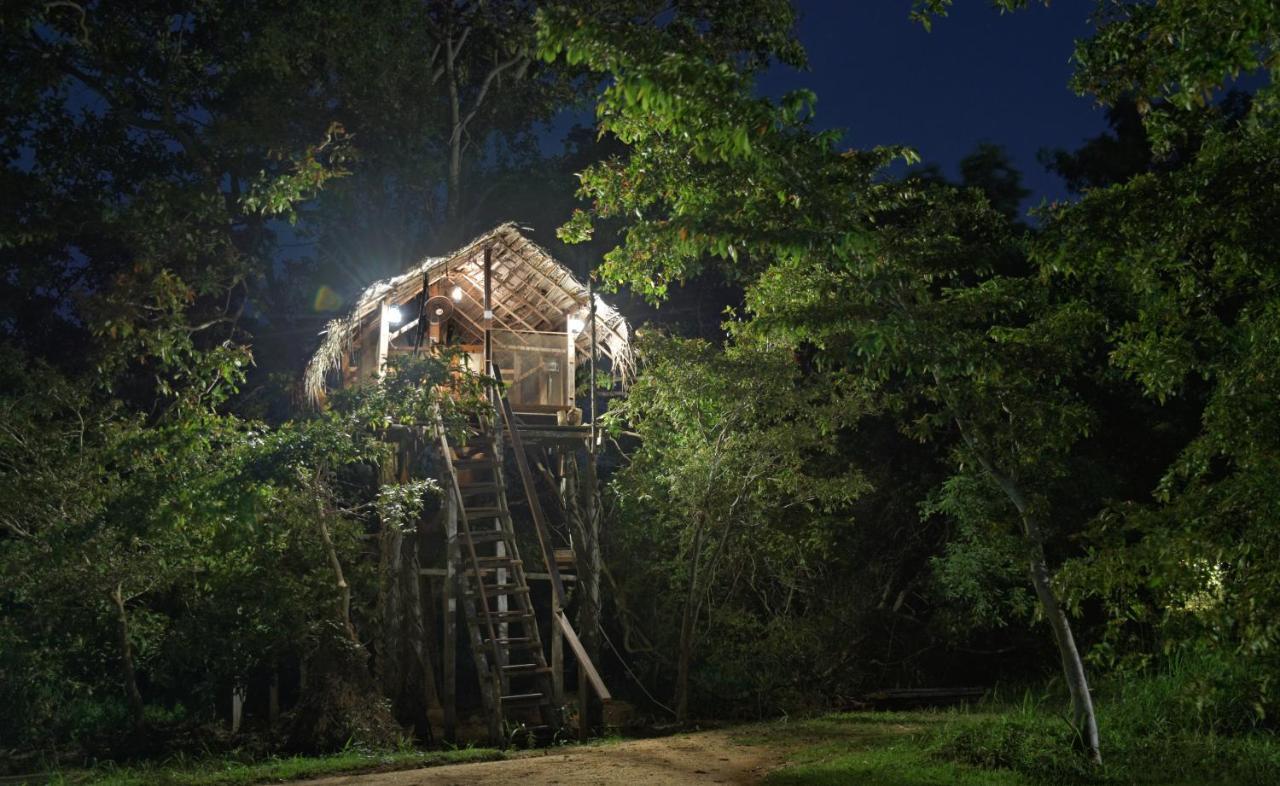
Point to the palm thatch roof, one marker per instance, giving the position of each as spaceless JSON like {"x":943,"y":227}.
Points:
{"x":530,"y":291}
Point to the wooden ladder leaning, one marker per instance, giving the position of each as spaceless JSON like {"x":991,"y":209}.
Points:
{"x":515,"y":679}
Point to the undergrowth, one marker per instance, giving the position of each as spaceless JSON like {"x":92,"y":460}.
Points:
{"x":1197,"y":721}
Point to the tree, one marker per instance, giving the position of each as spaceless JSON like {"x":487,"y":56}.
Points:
{"x":899,"y":281}
{"x":1185,"y":244}
{"x":730,"y":472}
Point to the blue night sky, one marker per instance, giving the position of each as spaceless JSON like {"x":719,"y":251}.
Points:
{"x":979,"y":76}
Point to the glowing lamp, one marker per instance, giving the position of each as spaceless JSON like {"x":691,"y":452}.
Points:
{"x":393,"y":315}
{"x":576,"y":324}
{"x":456,"y":294}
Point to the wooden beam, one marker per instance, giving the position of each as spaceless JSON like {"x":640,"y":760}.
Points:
{"x":488,"y":304}
{"x":400,"y":331}
{"x":571,"y":363}
{"x":584,"y":661}
{"x":498,"y":304}
{"x":591,"y":380}
{"x":440,"y":573}
{"x":384,"y":340}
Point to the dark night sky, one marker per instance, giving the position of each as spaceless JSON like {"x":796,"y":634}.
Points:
{"x":979,"y":76}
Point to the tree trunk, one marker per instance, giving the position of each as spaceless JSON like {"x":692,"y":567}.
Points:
{"x":273,"y":698}
{"x":1083,"y":717}
{"x":127,"y":668}
{"x":590,"y":708}
{"x":1082,"y":714}
{"x":454,"y":189}
{"x":685,"y":654}
{"x":340,"y":579}
{"x":402,"y":671}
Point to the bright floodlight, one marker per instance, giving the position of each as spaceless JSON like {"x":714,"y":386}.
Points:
{"x":393,"y":315}
{"x":456,"y":294}
{"x":576,"y":324}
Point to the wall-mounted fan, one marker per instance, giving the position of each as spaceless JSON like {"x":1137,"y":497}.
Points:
{"x":439,"y":309}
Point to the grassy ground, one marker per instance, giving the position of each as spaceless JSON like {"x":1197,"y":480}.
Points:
{"x":1006,"y":746}
{"x":233,"y":773}
{"x":875,"y":749}
{"x":1012,"y":747}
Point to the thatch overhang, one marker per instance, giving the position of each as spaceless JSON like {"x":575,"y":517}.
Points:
{"x":530,"y":291}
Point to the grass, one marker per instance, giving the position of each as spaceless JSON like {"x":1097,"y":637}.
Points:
{"x":875,"y":749}
{"x":1014,"y":746}
{"x":221,"y":772}
{"x":1039,"y":745}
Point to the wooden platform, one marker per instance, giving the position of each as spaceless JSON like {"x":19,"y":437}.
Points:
{"x":553,"y":435}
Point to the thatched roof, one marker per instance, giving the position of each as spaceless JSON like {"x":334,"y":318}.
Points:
{"x":531,"y":290}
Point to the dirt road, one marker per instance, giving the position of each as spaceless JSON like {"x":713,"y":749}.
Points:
{"x":699,"y":758}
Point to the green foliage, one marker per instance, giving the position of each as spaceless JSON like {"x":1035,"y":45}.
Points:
{"x":1182,"y":724}
{"x":731,"y":507}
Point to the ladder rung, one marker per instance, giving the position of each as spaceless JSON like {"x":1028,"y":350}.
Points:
{"x":487,"y":572}
{"x":524,"y":698}
{"x":514,"y":615}
{"x":500,"y":562}
{"x":479,"y":488}
{"x":485,"y":535}
{"x":484,"y":512}
{"x":526,"y":668}
{"x":503,"y":589}
{"x":525,"y":642}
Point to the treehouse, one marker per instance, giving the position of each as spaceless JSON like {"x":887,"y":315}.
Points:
{"x":515,"y":313}
{"x":503,"y":300}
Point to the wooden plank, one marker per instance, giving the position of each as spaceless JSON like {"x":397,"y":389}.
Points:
{"x":400,"y":331}
{"x":571,"y":363}
{"x":384,"y":340}
{"x":488,"y":304}
{"x":439,"y":573}
{"x":584,"y":661}
{"x":557,"y":656}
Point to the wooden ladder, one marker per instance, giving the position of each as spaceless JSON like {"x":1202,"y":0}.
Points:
{"x":515,"y":679}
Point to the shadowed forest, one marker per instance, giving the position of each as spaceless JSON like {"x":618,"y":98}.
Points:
{"x":884,"y":439}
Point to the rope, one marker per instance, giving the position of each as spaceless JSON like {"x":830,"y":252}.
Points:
{"x":631,"y":673}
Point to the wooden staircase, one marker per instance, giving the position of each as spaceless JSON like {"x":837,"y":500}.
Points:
{"x":515,"y":679}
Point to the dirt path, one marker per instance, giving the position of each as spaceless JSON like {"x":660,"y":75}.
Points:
{"x":700,"y":758}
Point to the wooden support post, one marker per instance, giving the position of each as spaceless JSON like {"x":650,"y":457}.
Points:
{"x":500,"y":549}
{"x":557,"y":654}
{"x":571,"y":365}
{"x":589,"y":613}
{"x":591,"y":386}
{"x":592,"y":711}
{"x":435,"y":330}
{"x":488,"y":305}
{"x":449,"y":656}
{"x":384,"y":339}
